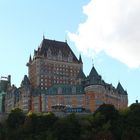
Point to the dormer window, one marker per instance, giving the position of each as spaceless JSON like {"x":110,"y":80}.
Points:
{"x":59,"y":55}
{"x":49,"y":55}
{"x":70,"y":57}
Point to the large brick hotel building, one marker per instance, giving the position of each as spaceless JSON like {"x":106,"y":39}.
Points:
{"x":56,"y":81}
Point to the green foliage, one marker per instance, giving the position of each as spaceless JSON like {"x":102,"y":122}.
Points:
{"x":132,"y":121}
{"x":67,"y":128}
{"x":15,"y":118}
{"x":130,"y":135}
{"x":2,"y":132}
{"x":38,"y":124}
{"x":107,"y":123}
{"x":109,"y":112}
{"x":104,"y":135}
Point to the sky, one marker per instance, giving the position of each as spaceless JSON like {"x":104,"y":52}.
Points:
{"x":105,"y":33}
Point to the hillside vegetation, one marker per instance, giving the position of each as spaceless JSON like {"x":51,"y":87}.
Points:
{"x":107,"y":123}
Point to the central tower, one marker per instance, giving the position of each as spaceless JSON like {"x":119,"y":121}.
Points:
{"x":53,"y":63}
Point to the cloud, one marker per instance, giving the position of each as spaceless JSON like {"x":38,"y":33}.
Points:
{"x":113,"y":27}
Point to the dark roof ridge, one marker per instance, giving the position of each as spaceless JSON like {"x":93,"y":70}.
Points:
{"x":81,"y":74}
{"x":55,"y":46}
{"x":121,"y":89}
{"x":93,"y":72}
{"x":55,"y":40}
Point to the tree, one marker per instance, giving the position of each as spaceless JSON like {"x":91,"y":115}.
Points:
{"x":132,"y":121}
{"x":104,"y":135}
{"x":15,"y":118}
{"x":129,"y":135}
{"x":67,"y":128}
{"x":2,"y":132}
{"x":37,"y":125}
{"x":14,"y":124}
{"x":109,"y":112}
{"x":107,"y":118}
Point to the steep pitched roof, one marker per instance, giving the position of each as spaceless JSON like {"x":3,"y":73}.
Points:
{"x":30,"y":59}
{"x":93,"y":73}
{"x":81,"y":75}
{"x":94,"y":78}
{"x":25,"y":81}
{"x":120,"y":89}
{"x":80,"y":59}
{"x":55,"y":47}
{"x":65,"y":89}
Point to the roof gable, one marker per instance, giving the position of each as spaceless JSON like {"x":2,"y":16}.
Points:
{"x":25,"y":81}
{"x":56,"y":47}
{"x":94,"y":77}
{"x":93,"y":72}
{"x":81,"y":75}
{"x":120,"y":89}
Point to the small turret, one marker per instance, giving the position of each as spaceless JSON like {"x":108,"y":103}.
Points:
{"x":93,"y":73}
{"x":120,"y":89}
{"x":25,"y":81}
{"x":9,"y":79}
{"x":43,"y":36}
{"x":80,"y":59}
{"x":30,"y":59}
{"x":94,"y":78}
{"x":81,"y":75}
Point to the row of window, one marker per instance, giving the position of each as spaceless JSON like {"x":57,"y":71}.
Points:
{"x":59,"y":57}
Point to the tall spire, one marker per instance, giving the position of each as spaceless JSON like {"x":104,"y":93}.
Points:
{"x":81,"y":74}
{"x":80,"y":59}
{"x":92,"y":63}
{"x":30,"y":58}
{"x":43,"y":36}
{"x":65,"y":38}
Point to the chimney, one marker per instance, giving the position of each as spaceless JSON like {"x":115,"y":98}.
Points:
{"x":9,"y":79}
{"x":137,"y":102}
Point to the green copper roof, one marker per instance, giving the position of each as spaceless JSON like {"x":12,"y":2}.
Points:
{"x":93,"y":72}
{"x":65,"y":89}
{"x":81,"y":75}
{"x":94,"y":78}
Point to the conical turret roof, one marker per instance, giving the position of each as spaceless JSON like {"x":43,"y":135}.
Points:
{"x":80,"y":59}
{"x":93,"y":73}
{"x":81,"y":75}
{"x":120,"y":89}
{"x":94,"y":77}
{"x":25,"y":81}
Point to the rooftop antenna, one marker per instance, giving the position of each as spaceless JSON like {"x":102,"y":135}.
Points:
{"x":43,"y":36}
{"x":65,"y":38}
{"x":92,"y":62}
{"x":137,"y":100}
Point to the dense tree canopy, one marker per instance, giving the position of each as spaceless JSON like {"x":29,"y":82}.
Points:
{"x":107,"y":123}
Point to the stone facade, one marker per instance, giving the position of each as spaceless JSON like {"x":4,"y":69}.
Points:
{"x":5,"y":82}
{"x":19,"y":97}
{"x":53,"y":63}
{"x":56,"y":82}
